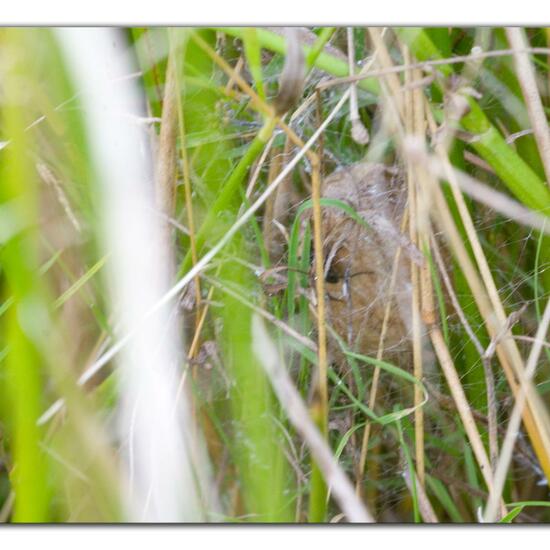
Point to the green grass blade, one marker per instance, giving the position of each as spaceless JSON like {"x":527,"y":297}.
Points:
{"x":254,"y":58}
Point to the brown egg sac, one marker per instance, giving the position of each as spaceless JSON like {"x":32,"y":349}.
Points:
{"x":359,"y":261}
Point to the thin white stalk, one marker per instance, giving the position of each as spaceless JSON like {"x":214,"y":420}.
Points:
{"x":156,"y":443}
{"x":528,"y":82}
{"x":490,"y":197}
{"x":297,"y":412}
{"x":424,"y":65}
{"x":515,"y":420}
{"x":203,"y":262}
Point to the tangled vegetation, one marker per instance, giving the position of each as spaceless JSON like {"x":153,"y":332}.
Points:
{"x":293,"y":275}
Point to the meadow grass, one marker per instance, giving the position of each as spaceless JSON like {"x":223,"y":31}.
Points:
{"x":305,"y":427}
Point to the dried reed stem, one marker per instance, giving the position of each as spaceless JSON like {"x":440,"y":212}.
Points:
{"x":295,"y":408}
{"x":389,"y":77}
{"x":515,"y":420}
{"x":489,"y":304}
{"x":528,"y":82}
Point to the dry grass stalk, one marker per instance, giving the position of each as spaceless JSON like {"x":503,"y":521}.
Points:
{"x":296,"y":410}
{"x":425,"y":65}
{"x":414,"y":124}
{"x":186,"y":176}
{"x":528,"y":82}
{"x":424,"y":505}
{"x":490,"y":197}
{"x":165,"y":168}
{"x":444,"y":218}
{"x":489,"y":377}
{"x":384,"y":60}
{"x":488,"y":301}
{"x":463,"y":407}
{"x":515,"y":420}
